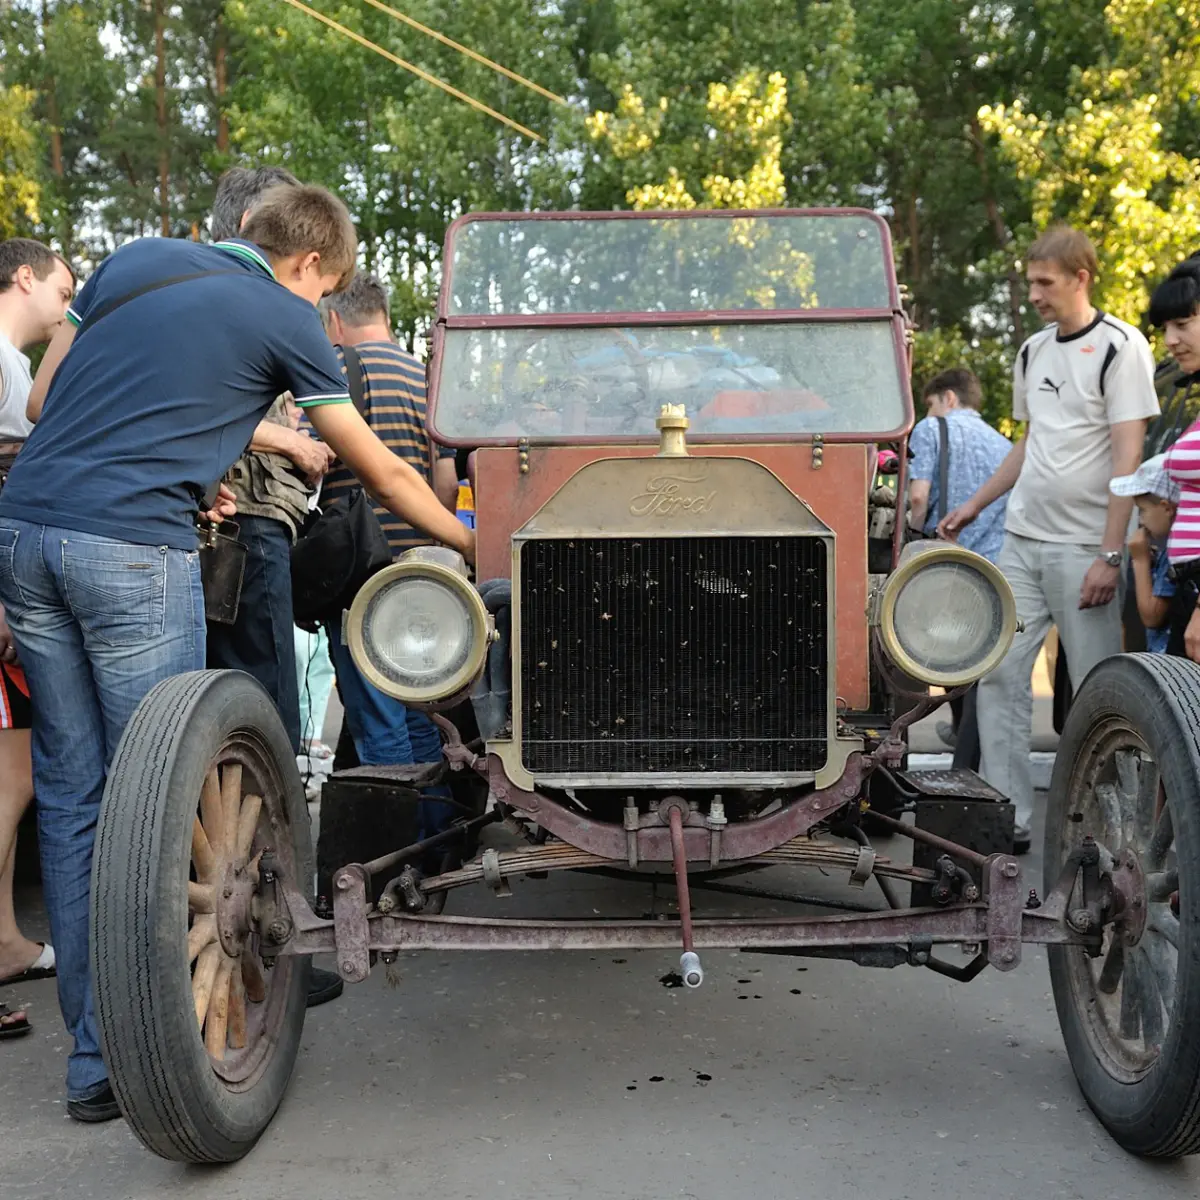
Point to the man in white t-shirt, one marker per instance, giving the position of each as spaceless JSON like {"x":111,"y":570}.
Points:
{"x":1085,"y":386}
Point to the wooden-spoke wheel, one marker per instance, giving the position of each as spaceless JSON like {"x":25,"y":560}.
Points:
{"x":1129,"y":990}
{"x":228,"y":980}
{"x":199,"y":1038}
{"x":1126,"y":776}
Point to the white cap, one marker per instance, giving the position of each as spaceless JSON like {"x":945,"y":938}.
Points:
{"x":1150,"y":479}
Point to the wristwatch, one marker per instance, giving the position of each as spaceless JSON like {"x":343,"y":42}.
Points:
{"x":1112,"y":557}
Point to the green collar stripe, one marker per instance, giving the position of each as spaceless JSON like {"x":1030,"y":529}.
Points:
{"x":247,"y":253}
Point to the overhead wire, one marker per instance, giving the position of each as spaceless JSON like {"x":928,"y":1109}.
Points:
{"x":421,"y":74}
{"x":487,"y":62}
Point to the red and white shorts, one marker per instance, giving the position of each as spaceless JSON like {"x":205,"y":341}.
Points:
{"x":15,"y":712}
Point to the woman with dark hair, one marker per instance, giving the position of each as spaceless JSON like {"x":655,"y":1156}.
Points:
{"x":1175,"y":309}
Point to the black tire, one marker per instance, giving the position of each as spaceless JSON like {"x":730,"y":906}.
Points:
{"x":166,"y":1083}
{"x":1127,"y":771}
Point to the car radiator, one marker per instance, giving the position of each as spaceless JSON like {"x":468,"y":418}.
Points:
{"x":667,"y":655}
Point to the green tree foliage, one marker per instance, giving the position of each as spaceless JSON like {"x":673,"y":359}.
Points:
{"x":405,"y":156}
{"x":54,"y":50}
{"x":1120,"y":160}
{"x":20,"y":186}
{"x":968,"y":127}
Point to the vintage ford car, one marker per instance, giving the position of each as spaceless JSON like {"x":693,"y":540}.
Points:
{"x":692,"y":645}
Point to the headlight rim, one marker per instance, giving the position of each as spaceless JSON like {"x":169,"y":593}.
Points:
{"x":471,"y":669}
{"x":921,"y":559}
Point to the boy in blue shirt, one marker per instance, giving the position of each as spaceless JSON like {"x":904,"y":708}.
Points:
{"x":1156,"y":496}
{"x":171,"y":356}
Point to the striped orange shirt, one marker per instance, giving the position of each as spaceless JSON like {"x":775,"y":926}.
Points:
{"x":394,"y":391}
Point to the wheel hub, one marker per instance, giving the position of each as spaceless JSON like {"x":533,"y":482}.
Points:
{"x":1128,"y":898}
{"x":234,"y":904}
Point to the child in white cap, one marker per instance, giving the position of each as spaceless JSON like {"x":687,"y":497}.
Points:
{"x":1156,"y":496}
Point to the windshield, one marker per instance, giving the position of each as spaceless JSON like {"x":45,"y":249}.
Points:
{"x":715,"y":263}
{"x":822,"y":377}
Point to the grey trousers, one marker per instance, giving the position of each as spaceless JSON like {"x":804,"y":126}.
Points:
{"x":1045,"y":579}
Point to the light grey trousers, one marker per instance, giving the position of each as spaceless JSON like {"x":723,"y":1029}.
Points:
{"x":1045,"y":579}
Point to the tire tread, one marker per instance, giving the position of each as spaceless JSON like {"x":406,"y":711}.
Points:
{"x":1175,"y":683}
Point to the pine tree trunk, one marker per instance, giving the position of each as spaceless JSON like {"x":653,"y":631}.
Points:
{"x":999,"y":231}
{"x":914,"y":244}
{"x":160,"y":91}
{"x":66,"y":233}
{"x":220,"y":73}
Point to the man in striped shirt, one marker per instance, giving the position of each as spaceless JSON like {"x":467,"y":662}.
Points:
{"x":394,"y":388}
{"x":1175,"y":308}
{"x":383,"y":730}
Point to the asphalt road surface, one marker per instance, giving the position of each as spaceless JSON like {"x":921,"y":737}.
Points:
{"x":566,"y":1076}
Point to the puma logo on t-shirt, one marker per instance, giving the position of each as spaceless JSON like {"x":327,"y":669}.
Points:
{"x":1048,"y":385}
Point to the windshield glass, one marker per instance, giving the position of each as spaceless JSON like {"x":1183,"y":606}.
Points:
{"x":659,"y":264}
{"x":819,"y":377}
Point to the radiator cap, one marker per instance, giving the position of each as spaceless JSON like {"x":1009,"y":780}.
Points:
{"x":672,"y":425}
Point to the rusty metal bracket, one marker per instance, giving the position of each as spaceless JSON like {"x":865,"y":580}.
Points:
{"x":456,"y":753}
{"x":1004,"y":912}
{"x":630,"y":816}
{"x":717,"y":820}
{"x":351,"y":932}
{"x":742,"y":839}
{"x":492,"y":875}
{"x":864,"y":868}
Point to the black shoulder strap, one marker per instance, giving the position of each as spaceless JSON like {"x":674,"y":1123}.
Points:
{"x":943,"y":467}
{"x":354,"y":379}
{"x":111,"y":307}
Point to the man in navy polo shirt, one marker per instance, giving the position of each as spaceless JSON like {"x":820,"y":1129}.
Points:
{"x":174,"y":353}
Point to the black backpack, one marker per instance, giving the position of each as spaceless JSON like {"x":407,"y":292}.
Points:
{"x":341,"y":544}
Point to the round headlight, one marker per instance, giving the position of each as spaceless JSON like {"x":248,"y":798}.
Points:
{"x":947,"y":616}
{"x":418,"y":630}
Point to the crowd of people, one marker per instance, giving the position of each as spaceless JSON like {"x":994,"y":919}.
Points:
{"x":248,"y":378}
{"x":1056,"y":509}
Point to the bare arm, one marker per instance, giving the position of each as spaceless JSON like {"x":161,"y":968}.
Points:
{"x":1100,"y":583}
{"x":445,"y":483}
{"x":1153,"y":610}
{"x":387,"y":477}
{"x":1128,"y":438}
{"x":918,"y":502}
{"x":60,"y":343}
{"x":309,"y":455}
{"x":1002,"y":481}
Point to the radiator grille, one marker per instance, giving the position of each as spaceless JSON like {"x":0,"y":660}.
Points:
{"x":674,"y":655}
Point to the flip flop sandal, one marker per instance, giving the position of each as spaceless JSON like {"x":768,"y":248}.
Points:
{"x":13,"y":1024}
{"x":43,"y":968}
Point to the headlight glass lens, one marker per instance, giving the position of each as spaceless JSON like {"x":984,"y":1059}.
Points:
{"x":418,"y":632}
{"x":948,"y":617}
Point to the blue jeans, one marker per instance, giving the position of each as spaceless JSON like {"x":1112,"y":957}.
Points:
{"x":386,"y":733}
{"x":261,"y":641}
{"x":97,"y":623}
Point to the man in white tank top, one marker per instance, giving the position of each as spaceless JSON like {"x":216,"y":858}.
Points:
{"x":1084,"y":385}
{"x":35,"y":288}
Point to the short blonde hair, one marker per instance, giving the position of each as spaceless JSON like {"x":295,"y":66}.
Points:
{"x":1069,"y":248}
{"x":301,"y":219}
